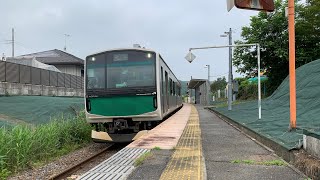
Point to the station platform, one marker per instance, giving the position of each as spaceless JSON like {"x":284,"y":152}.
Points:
{"x":194,"y":143}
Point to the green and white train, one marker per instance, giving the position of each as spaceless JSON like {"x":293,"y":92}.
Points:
{"x":128,"y":91}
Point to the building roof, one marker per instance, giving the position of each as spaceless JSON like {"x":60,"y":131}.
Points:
{"x":55,"y":57}
{"x":195,"y":83}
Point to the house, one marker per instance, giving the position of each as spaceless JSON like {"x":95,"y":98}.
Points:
{"x":63,"y":61}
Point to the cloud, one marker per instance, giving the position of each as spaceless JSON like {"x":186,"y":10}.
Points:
{"x":170,"y":27}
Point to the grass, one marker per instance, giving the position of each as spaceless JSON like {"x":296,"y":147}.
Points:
{"x":225,"y":103}
{"x":142,"y":158}
{"x":236,"y":161}
{"x":248,"y":161}
{"x":243,"y":161}
{"x":266,"y":163}
{"x":274,"y":163}
{"x":26,"y":146}
{"x":145,"y":156}
{"x":157,"y":148}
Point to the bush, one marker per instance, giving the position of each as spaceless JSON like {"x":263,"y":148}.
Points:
{"x":22,"y":146}
{"x":248,"y":90}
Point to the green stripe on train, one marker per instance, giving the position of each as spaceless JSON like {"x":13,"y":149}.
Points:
{"x":121,"y":106}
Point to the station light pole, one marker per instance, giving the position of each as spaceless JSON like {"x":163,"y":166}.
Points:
{"x":190,"y":57}
{"x":229,"y":34}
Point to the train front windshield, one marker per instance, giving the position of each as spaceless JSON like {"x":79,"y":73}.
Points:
{"x":121,"y":69}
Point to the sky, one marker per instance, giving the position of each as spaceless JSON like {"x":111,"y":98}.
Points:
{"x":168,"y":27}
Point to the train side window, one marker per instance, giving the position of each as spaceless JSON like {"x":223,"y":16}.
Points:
{"x":177,"y":90}
{"x":174,"y":88}
{"x":166,"y":79}
{"x":170,"y":83}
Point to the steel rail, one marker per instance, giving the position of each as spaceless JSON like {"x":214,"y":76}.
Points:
{"x":73,"y":168}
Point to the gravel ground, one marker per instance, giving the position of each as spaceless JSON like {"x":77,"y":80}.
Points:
{"x":65,"y":162}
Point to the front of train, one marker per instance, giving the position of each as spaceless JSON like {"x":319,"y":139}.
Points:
{"x":121,"y":94}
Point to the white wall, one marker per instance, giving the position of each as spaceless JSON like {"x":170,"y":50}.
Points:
{"x":37,"y":90}
{"x":70,"y":69}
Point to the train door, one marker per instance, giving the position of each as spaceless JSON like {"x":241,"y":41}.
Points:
{"x":174,"y":93}
{"x":167,"y":91}
{"x":162,"y":91}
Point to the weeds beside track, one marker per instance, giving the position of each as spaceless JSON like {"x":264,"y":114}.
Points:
{"x":26,"y":146}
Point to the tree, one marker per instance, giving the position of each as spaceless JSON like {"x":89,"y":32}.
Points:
{"x":220,"y":83}
{"x":271,"y":32}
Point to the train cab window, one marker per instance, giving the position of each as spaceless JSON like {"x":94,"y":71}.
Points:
{"x":96,"y":72}
{"x":126,"y":69}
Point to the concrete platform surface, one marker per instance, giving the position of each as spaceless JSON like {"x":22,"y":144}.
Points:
{"x":166,"y":134}
{"x":227,"y":153}
{"x":195,"y":144}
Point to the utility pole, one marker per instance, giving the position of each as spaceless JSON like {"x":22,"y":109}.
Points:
{"x":65,"y":42}
{"x":208,"y":66}
{"x":12,"y":41}
{"x":208,"y":88}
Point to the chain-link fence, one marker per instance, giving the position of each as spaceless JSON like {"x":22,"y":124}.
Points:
{"x":17,"y":73}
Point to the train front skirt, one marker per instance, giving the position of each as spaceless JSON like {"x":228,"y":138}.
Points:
{"x":105,"y":137}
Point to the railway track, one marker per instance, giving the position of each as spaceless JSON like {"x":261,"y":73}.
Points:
{"x":69,"y":171}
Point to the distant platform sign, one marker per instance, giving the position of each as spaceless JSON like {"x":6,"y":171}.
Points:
{"x":260,"y":5}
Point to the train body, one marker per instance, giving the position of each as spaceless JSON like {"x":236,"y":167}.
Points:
{"x":127,"y":92}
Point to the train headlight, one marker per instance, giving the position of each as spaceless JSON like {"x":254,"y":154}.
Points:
{"x":93,"y":59}
{"x":149,"y":55}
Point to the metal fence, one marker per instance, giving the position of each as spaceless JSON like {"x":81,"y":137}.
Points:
{"x":18,"y":73}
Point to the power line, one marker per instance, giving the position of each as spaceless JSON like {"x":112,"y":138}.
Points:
{"x":220,"y":75}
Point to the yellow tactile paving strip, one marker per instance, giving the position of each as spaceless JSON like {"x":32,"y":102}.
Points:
{"x":186,"y":162}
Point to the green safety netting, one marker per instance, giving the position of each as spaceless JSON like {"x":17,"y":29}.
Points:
{"x":37,"y":109}
{"x":275,"y":109}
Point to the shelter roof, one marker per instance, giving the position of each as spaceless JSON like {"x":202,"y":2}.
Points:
{"x":195,"y":83}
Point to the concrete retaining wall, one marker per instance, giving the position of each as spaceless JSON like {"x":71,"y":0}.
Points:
{"x":311,"y":145}
{"x":37,"y":90}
